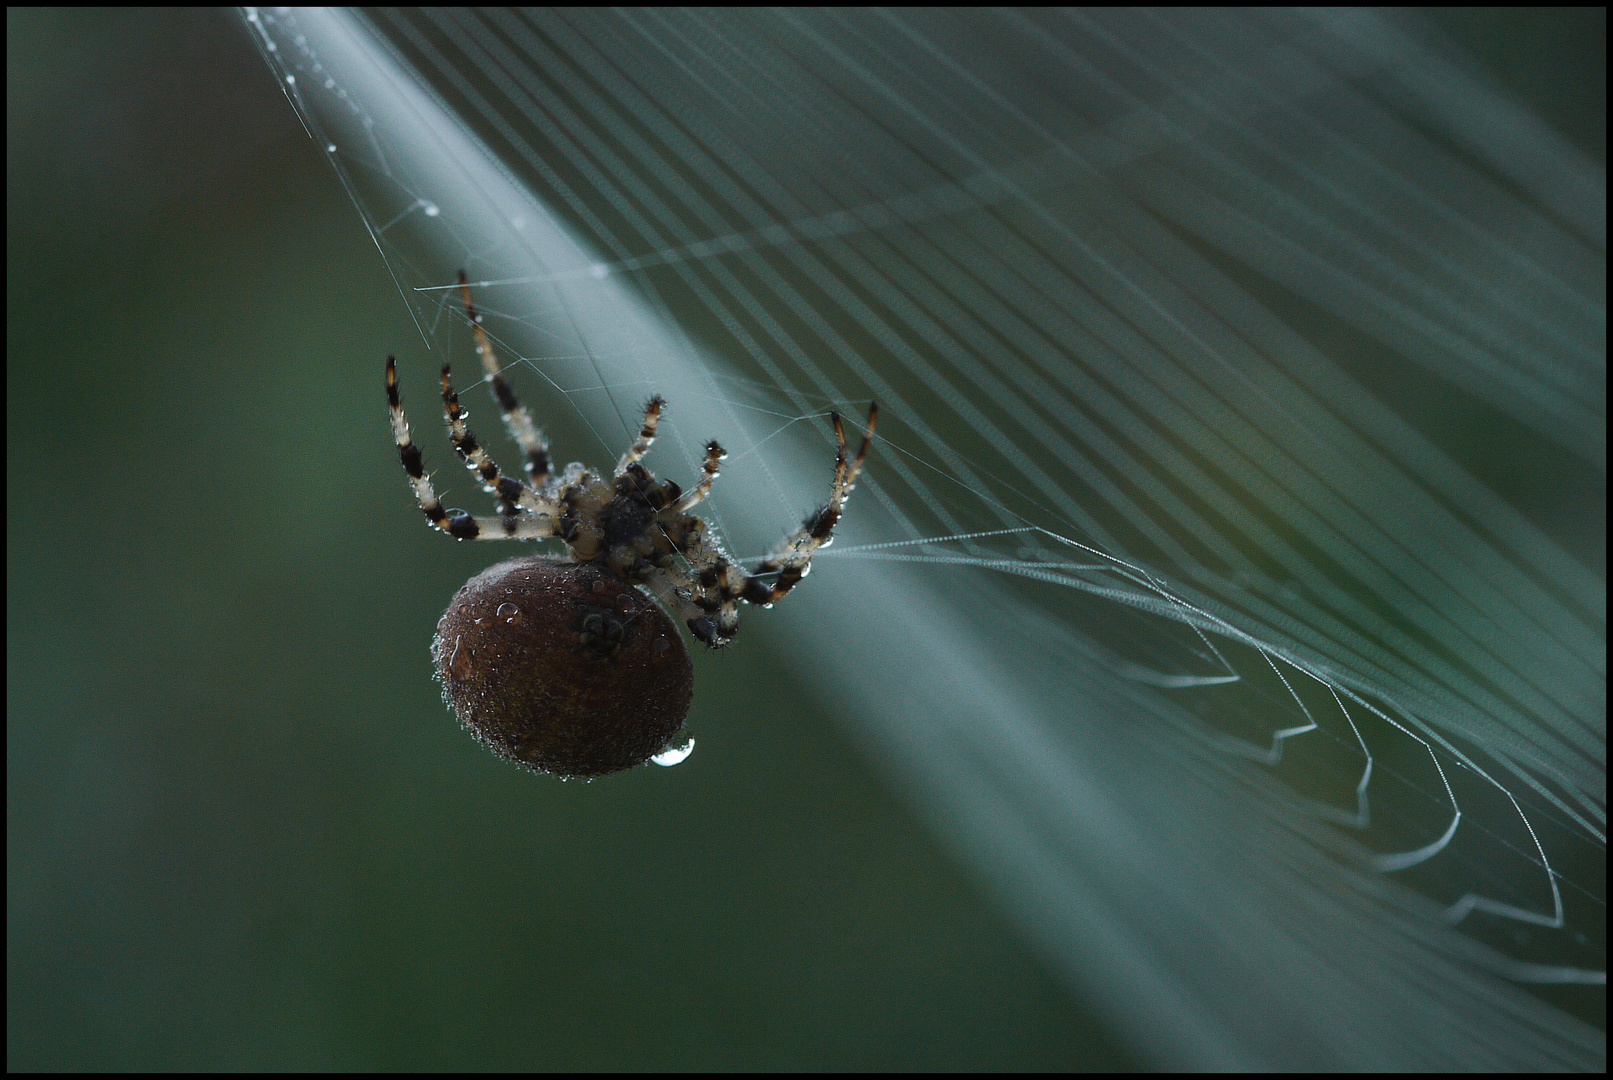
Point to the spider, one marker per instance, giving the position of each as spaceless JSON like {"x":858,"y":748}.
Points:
{"x":583,"y":643}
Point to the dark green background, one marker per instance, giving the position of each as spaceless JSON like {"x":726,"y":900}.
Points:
{"x":242,"y":832}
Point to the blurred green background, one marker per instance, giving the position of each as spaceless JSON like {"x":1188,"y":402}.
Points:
{"x":242,"y":831}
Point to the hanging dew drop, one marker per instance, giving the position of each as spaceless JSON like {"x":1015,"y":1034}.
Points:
{"x":669,"y":758}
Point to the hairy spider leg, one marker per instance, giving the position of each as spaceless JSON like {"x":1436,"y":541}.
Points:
{"x":517,"y":421}
{"x":512,"y":495}
{"x":792,"y":559}
{"x":456,"y":523}
{"x":710,"y":605}
{"x":662,"y":582}
{"x":646,"y":435}
{"x":709,"y":602}
{"x":708,"y":476}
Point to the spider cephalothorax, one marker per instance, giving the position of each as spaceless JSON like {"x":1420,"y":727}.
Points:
{"x":632,"y":527}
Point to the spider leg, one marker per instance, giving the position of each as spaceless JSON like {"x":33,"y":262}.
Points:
{"x":792,"y":559}
{"x":456,"y":523}
{"x":517,"y":421}
{"x":709,"y":605}
{"x":513,"y":496}
{"x":665,"y":586}
{"x":709,"y":602}
{"x":705,"y":592}
{"x":708,"y":475}
{"x":646,"y":435}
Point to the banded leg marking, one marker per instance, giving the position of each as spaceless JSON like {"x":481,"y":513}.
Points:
{"x":708,"y":476}
{"x":512,"y":494}
{"x":517,"y":421}
{"x":792,"y":560}
{"x":646,"y":435}
{"x":456,"y":523}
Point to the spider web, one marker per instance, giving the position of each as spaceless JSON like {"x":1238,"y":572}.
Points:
{"x":1162,"y":592}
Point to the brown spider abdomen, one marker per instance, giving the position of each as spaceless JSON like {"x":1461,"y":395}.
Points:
{"x":561,"y":667}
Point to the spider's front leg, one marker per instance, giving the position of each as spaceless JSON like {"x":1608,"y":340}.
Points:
{"x":792,"y":559}
{"x":517,"y":421}
{"x":456,"y":523}
{"x":646,"y":436}
{"x":513,"y":496}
